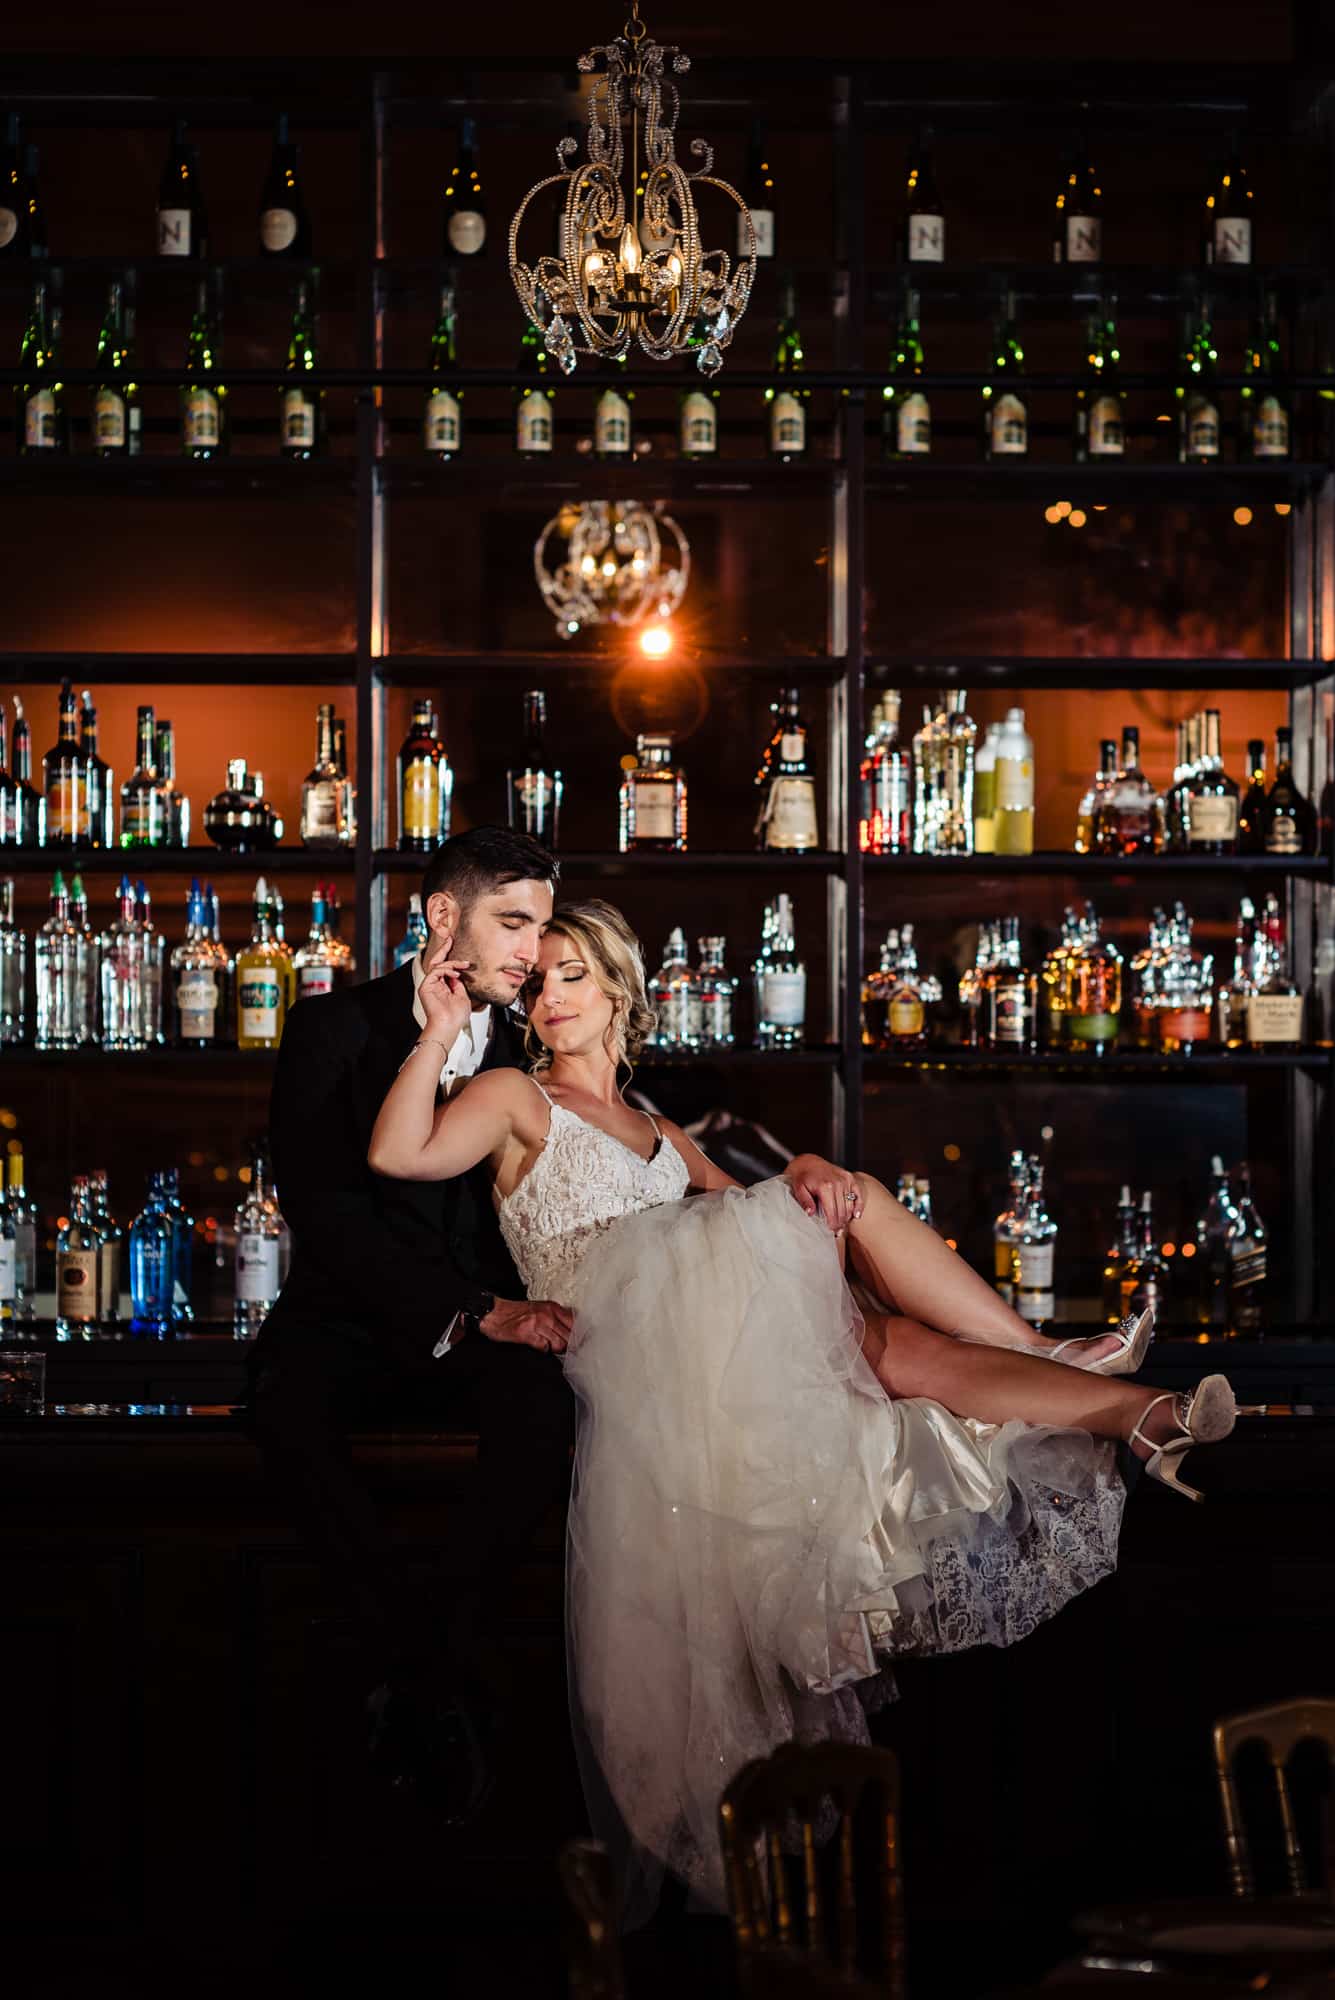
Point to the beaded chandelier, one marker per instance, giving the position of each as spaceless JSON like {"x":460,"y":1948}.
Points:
{"x":632,"y":266}
{"x":608,"y":562}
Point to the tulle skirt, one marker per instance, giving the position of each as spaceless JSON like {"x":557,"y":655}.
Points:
{"x":757,"y":1530}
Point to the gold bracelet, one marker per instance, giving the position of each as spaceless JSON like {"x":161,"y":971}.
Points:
{"x":423,"y":1042}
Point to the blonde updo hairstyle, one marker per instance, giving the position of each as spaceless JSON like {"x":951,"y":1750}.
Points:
{"x":611,"y":950}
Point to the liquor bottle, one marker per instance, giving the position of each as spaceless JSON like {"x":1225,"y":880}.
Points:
{"x":110,"y":406}
{"x":674,"y":995}
{"x":1009,"y":997}
{"x":1211,"y":798}
{"x":347,"y":786}
{"x":110,"y":1238}
{"x":906,"y":996}
{"x":24,"y":1213}
{"x":1005,"y":412}
{"x":152,"y":1265}
{"x":1006,"y":1228}
{"x":8,"y":1269}
{"x":1228,"y":215}
{"x":1214,"y":1226}
{"x":259,"y":1236}
{"x":464,"y":232}
{"x":652,"y":799}
{"x":239,"y":818}
{"x":204,"y":428}
{"x":943,"y":778}
{"x":320,"y":788}
{"x":340,"y":951}
{"x":759,"y":192}
{"x":37,"y":244}
{"x":1078,"y":224}
{"x":285,"y":228}
{"x":1199,"y":426}
{"x":77,"y":1260}
{"x":155,"y":965}
{"x":41,"y":418}
{"x":6,"y":782}
{"x":262,"y":980}
{"x":183,"y":1247}
{"x":1053,"y":984}
{"x":1120,"y":1255}
{"x":98,"y":779}
{"x":176,"y":807}
{"x":533,"y":788}
{"x":970,"y":990}
{"x":985,"y":791}
{"x":87,"y":964}
{"x":183,"y":228}
{"x":1248,"y":1243}
{"x":315,"y":961}
{"x":442,"y":418}
{"x":876,"y":988}
{"x":1145,"y":1278}
{"x":1288,"y":819}
{"x":415,"y":936}
{"x":1146,"y":981}
{"x":787,"y":400}
{"x":1275,"y":1007}
{"x":1093,"y":998}
{"x":1265,"y":425}
{"x":1251,"y":810}
{"x":198,"y":984}
{"x":421,"y":781}
{"x":906,"y":419}
{"x":611,"y":412}
{"x":887,"y":786}
{"x":1087,"y":811}
{"x":1014,"y":819}
{"x":786,"y":783}
{"x":718,"y":994}
{"x":13,"y":194}
{"x":25,"y":824}
{"x":924,"y":213}
{"x":1100,"y":413}
{"x":535,"y":417}
{"x":1188,"y":740}
{"x":781,"y":984}
{"x":302,"y":430}
{"x":65,"y":779}
{"x":1035,"y":1253}
{"x":697,"y":419}
{"x":123,"y":953}
{"x":144,"y":804}
{"x":922,"y":1200}
{"x":134,"y":409}
{"x":1128,"y":819}
{"x":1185,"y":1001}
{"x":13,"y":971}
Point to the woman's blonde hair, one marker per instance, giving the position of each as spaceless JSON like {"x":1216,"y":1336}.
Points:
{"x":612,"y":953}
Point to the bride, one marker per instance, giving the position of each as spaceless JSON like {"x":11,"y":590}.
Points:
{"x":809,"y":1441}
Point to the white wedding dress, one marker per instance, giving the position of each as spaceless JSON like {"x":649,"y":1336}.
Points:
{"x":756,"y":1528}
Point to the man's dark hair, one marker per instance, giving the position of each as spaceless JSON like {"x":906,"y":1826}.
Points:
{"x":472,"y":864}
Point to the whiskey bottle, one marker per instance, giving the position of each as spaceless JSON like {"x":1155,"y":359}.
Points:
{"x":1006,"y":1229}
{"x":1231,"y":1000}
{"x":25,"y":1219}
{"x":1128,"y":819}
{"x":421,"y":786}
{"x":1275,"y":1008}
{"x":718,"y":993}
{"x":464,"y":232}
{"x":152,"y":1265}
{"x":65,"y":779}
{"x":175,"y":805}
{"x":535,"y":421}
{"x":77,"y":1260}
{"x":533,"y":788}
{"x":1009,"y":996}
{"x":41,"y":416}
{"x":1014,"y":814}
{"x":653,"y":799}
{"x":675,"y":997}
{"x":259,"y":1241}
{"x":1248,"y":1243}
{"x":877,"y":985}
{"x":13,"y":968}
{"x":144,"y":806}
{"x":1185,"y":1000}
{"x":110,"y":1240}
{"x":759,"y":196}
{"x":415,"y":935}
{"x":198,"y":980}
{"x":25,"y":822}
{"x":347,"y":786}
{"x":302,"y":427}
{"x":1228,"y":215}
{"x":262,"y":980}
{"x":1054,"y":995}
{"x":1100,"y":406}
{"x":1118,"y":1258}
{"x":56,"y":969}
{"x":111,"y":402}
{"x":1078,"y":224}
{"x":907,"y":1000}
{"x":1145,"y":1276}
{"x":1288,"y":819}
{"x":1035,"y":1252}
{"x":906,"y":420}
{"x":970,"y":992}
{"x":316,"y":962}
{"x":1005,"y":412}
{"x":98,"y":780}
{"x":284,"y":224}
{"x":1251,"y":811}
{"x":320,"y":788}
{"x":1199,"y":427}
{"x":442,"y":419}
{"x":1265,"y":425}
{"x":1214,"y":1226}
{"x":781,"y":984}
{"x":924,"y":240}
{"x":786,"y":783}
{"x":1093,"y":995}
{"x":1087,"y":811}
{"x":1211,"y":798}
{"x":204,"y":427}
{"x":182,"y":222}
{"x":340,"y":951}
{"x":786,"y":400}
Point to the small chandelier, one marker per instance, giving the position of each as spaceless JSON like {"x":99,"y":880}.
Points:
{"x":610,"y":562}
{"x":622,"y":277}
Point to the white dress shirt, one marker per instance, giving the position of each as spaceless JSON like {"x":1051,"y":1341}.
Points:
{"x":471,"y":1042}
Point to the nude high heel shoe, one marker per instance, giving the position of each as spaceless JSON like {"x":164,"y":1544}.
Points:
{"x":1204,"y":1417}
{"x":1135,"y":1334}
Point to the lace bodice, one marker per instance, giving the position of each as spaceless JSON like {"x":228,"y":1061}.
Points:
{"x":582,"y":1181}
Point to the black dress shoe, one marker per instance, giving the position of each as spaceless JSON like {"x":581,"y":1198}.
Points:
{"x":433,"y":1746}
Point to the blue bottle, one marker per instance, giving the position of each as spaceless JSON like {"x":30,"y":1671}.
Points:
{"x":415,"y":936}
{"x":151,"y":1266}
{"x":183,"y":1246}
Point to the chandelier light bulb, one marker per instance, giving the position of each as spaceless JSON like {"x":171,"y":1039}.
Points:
{"x":656,"y":641}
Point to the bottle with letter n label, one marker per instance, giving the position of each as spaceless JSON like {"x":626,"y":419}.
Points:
{"x":1078,"y":223}
{"x":183,"y":229}
{"x":924,"y":215}
{"x":1228,"y":214}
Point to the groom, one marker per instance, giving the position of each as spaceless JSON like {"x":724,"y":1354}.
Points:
{"x":402,"y":1302}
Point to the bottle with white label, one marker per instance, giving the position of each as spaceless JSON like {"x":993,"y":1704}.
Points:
{"x":535,"y":419}
{"x":924,"y":214}
{"x":8,"y":1268}
{"x":41,"y":418}
{"x":718,"y":994}
{"x":787,"y":784}
{"x":1210,"y":798}
{"x":1228,"y":215}
{"x":653,"y":799}
{"x":906,"y":418}
{"x":1005,"y":411}
{"x":1077,"y":236}
{"x":259,"y":1249}
{"x":697,"y":421}
{"x":25,"y":1219}
{"x":1265,"y":421}
{"x":415,"y":935}
{"x":262,"y":979}
{"x":302,"y":433}
{"x":77,"y":1267}
{"x":14,"y":241}
{"x":110,"y":1242}
{"x":285,"y":225}
{"x":182,"y":221}
{"x":204,"y":432}
{"x":759,"y":192}
{"x":113,"y":385}
{"x":611,"y":411}
{"x":464,"y":230}
{"x":198,"y":979}
{"x":786,"y":401}
{"x":322,"y":795}
{"x":13,"y":969}
{"x":675,"y":996}
{"x":781,"y":984}
{"x":1013,"y":816}
{"x":1100,"y":422}
{"x":1199,"y":426}
{"x":316,"y":961}
{"x":442,"y":418}
{"x":1035,"y":1253}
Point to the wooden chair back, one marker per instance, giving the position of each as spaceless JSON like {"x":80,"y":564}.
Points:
{"x":593,"y":1948}
{"x":761,"y":1805}
{"x":1281,"y":1729}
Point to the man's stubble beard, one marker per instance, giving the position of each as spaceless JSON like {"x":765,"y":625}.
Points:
{"x":479,"y":989}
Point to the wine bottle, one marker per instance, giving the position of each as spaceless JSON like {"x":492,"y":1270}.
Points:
{"x":534,"y":417}
{"x":183,"y":228}
{"x":465,"y":224}
{"x":1264,"y":419}
{"x":1100,"y":428}
{"x":1005,"y":412}
{"x":13,"y":193}
{"x":442,"y":417}
{"x":924,"y":217}
{"x":42,"y":421}
{"x":906,"y":419}
{"x":204,"y":430}
{"x":787,"y":400}
{"x":759,"y":192}
{"x":534,"y":788}
{"x":37,"y":245}
{"x":697,"y":419}
{"x":1078,"y":222}
{"x":285,"y":225}
{"x":303,"y":429}
{"x":1228,"y":214}
{"x":111,"y":402}
{"x":1197,"y":396}
{"x":611,"y":411}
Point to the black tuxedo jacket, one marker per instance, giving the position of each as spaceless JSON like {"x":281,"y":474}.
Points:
{"x":392,"y":1259}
